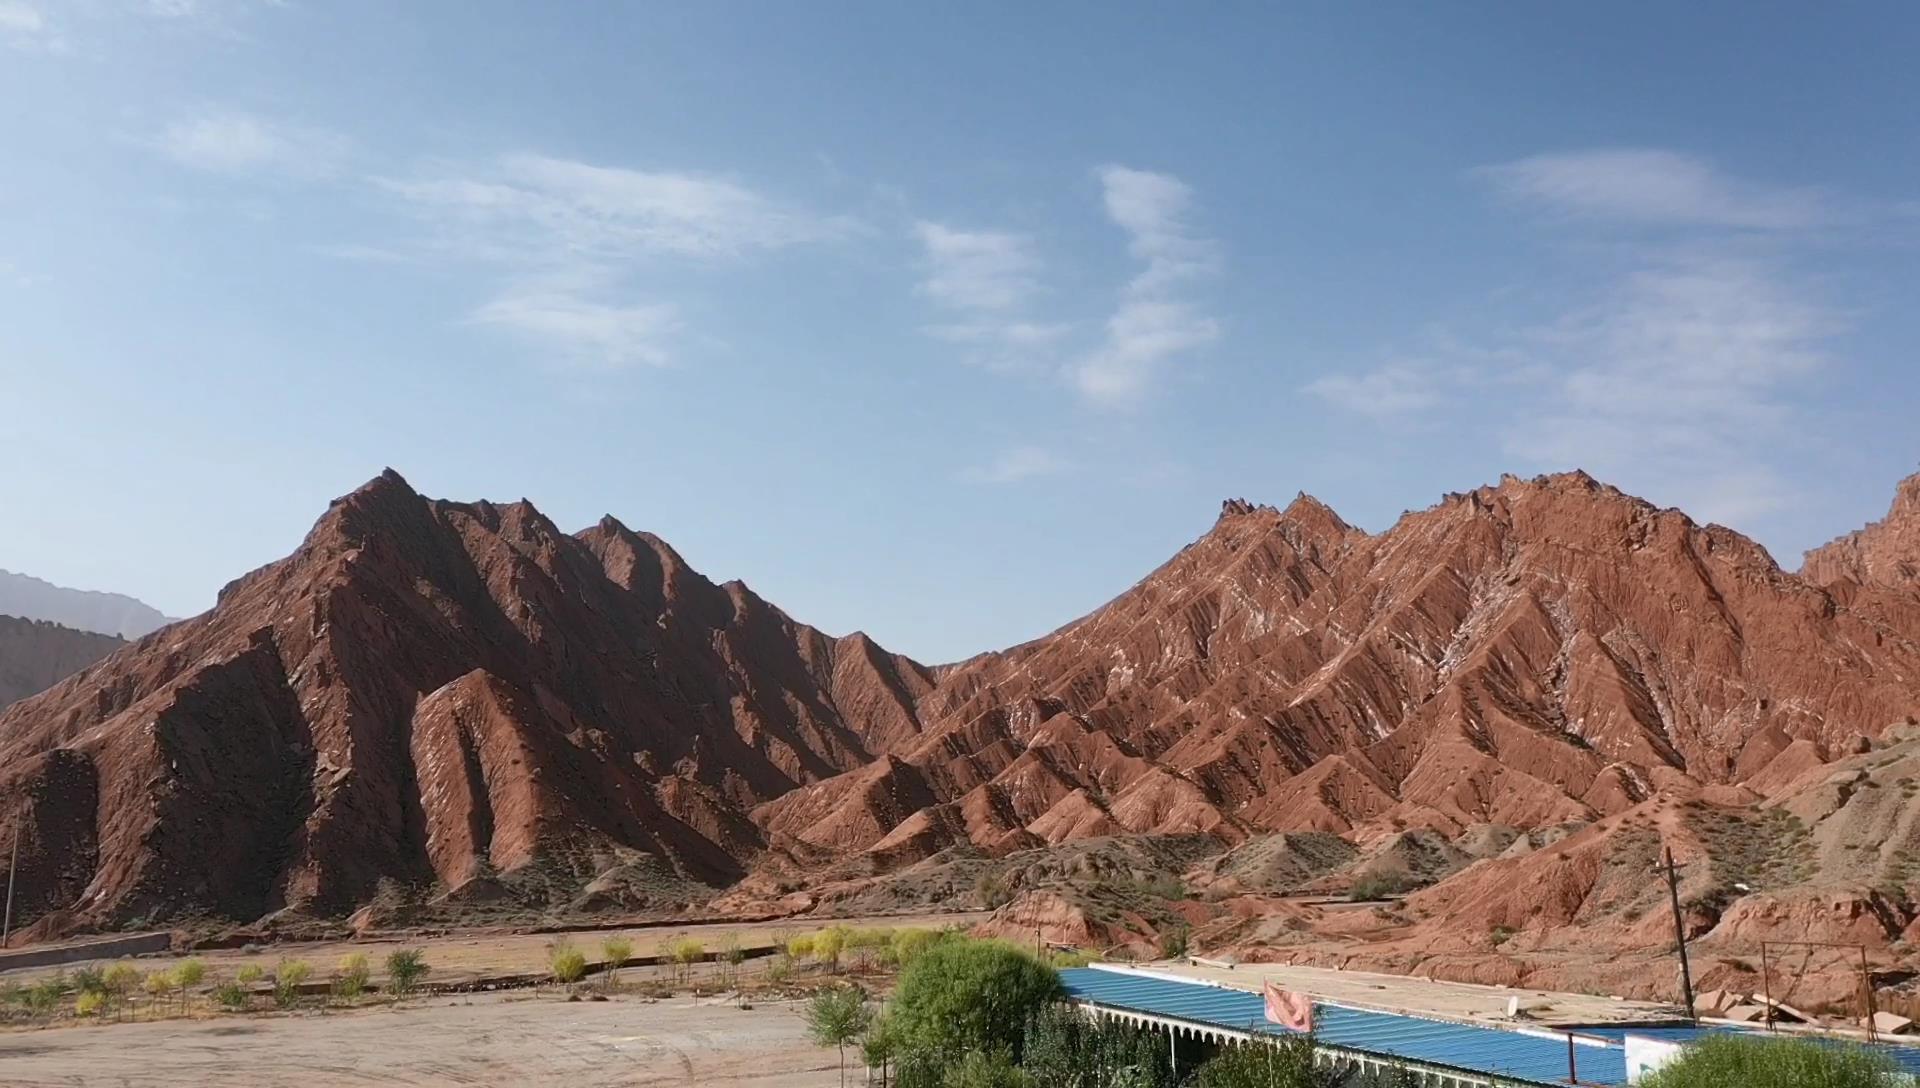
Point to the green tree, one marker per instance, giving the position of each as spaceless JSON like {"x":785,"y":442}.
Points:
{"x":190,"y":973}
{"x":405,"y":969}
{"x":1280,"y":1063}
{"x":827,"y":946}
{"x":963,"y":995}
{"x":1065,"y":1049}
{"x":1749,"y":1062}
{"x":837,"y":1016}
{"x":986,"y":1069}
{"x":616,"y":951}
{"x":288,"y":977}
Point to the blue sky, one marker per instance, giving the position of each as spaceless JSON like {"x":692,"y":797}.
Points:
{"x":944,"y":322}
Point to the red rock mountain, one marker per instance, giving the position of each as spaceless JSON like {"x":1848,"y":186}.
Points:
{"x":432,"y":692}
{"x":457,"y":695}
{"x":1885,"y":553}
{"x":1526,"y":654}
{"x":35,"y":654}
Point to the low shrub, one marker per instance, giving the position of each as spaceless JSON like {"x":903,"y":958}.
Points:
{"x":1749,"y":1062}
{"x":350,"y":981}
{"x":248,"y":974}
{"x":616,"y":951}
{"x":231,"y":996}
{"x":89,"y":1003}
{"x":288,"y":976}
{"x":405,"y":969}
{"x":568,"y":964}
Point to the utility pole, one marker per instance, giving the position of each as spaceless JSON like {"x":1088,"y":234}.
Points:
{"x":13,"y":862}
{"x":1680,"y":934}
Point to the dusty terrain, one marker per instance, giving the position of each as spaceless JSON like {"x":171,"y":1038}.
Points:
{"x":485,"y":1039}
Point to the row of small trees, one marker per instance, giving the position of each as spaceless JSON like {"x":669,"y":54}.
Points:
{"x":113,"y":991}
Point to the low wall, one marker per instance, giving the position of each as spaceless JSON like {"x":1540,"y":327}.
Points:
{"x":103,"y":949}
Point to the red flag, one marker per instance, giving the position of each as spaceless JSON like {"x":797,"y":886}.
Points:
{"x":1288,"y":1009}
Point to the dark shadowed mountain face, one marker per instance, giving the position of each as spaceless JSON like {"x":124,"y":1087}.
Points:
{"x":80,"y":609}
{"x":34,"y":655}
{"x":462,"y":697}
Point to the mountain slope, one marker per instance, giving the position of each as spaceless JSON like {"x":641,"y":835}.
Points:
{"x":80,"y":609}
{"x":1528,"y":654}
{"x":1885,"y":553}
{"x":35,"y":654}
{"x":432,"y":693}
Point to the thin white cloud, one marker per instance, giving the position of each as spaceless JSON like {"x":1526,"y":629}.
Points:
{"x":563,"y":206}
{"x":585,"y":234}
{"x":1016,"y":464}
{"x":25,"y":27}
{"x":1396,"y":389}
{"x":988,"y":279}
{"x":585,"y":332}
{"x":1679,"y":381}
{"x":239,"y":143}
{"x":977,"y":270}
{"x":1654,"y":186}
{"x":19,"y":17}
{"x":1152,"y":324}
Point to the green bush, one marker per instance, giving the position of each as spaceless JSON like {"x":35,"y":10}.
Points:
{"x":1377,"y":887}
{"x":962,"y":995}
{"x":986,"y":1069}
{"x":231,"y":996}
{"x":248,"y":974}
{"x":90,"y":980}
{"x":351,"y":980}
{"x":909,"y":943}
{"x":405,"y":969}
{"x":190,"y":973}
{"x":569,"y":964}
{"x":1173,"y":941}
{"x":288,"y":975}
{"x":828,"y":944}
{"x":616,"y":951}
{"x":1284,"y":1063}
{"x":1750,"y":1062}
{"x":1066,"y":1048}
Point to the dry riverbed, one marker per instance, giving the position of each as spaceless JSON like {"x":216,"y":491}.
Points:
{"x":484,"y":1039}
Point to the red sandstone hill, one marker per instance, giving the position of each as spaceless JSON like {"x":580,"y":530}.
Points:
{"x":462,"y":697}
{"x":431,"y":693}
{"x":35,"y":654}
{"x":1524,"y":655}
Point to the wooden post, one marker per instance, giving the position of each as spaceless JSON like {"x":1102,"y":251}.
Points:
{"x":1766,"y":984}
{"x":1573,"y":1070}
{"x":1873,"y":1010}
{"x":13,"y":862}
{"x":1680,"y":934}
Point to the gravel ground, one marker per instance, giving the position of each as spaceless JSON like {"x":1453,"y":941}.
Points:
{"x":492,"y":1039}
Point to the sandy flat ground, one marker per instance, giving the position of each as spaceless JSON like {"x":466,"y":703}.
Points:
{"x":457,"y":956}
{"x":1419,"y":996}
{"x":492,"y":1039}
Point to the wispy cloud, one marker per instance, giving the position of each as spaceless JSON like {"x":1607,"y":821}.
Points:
{"x":1016,"y":464}
{"x":988,"y":281}
{"x":25,"y":26}
{"x":239,"y":143}
{"x":1396,"y":389}
{"x":1653,"y":186}
{"x":591,"y":333}
{"x":586,"y":211}
{"x":584,"y":233}
{"x":1152,"y":323}
{"x":977,"y":270}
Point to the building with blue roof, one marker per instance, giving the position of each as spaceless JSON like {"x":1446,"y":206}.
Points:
{"x":1447,"y":1054}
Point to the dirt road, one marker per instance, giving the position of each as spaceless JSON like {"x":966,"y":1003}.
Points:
{"x":492,"y":1039}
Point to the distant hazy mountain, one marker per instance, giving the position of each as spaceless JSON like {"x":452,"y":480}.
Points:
{"x":81,"y":609}
{"x":35,"y":655}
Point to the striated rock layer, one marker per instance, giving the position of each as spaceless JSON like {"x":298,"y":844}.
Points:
{"x":452,"y":696}
{"x":1530,"y":654}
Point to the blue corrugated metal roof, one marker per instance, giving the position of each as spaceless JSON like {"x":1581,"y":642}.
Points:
{"x":1510,"y":1054}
